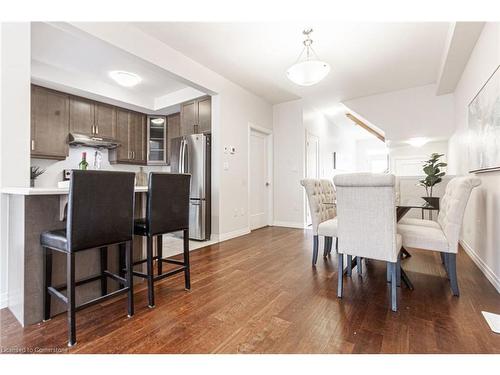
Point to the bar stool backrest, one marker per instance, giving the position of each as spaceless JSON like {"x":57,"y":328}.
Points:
{"x":168,"y":202}
{"x":100,"y":209}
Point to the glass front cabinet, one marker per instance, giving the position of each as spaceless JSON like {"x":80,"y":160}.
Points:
{"x":157,"y":140}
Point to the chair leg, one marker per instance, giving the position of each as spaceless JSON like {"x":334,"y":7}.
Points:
{"x":442,"y":257}
{"x":394,"y":296}
{"x":149,"y":263}
{"x":130,"y":277}
{"x":121,"y":260}
{"x":445,"y":264}
{"x":340,"y":272}
{"x":187,"y":272}
{"x":159,"y":250}
{"x":349,"y":267}
{"x":452,"y":272}
{"x":398,"y":271}
{"x":315,"y":249}
{"x":104,"y":267}
{"x":388,"y":272}
{"x":336,"y":244}
{"x":71,"y":305}
{"x":359,"y":264}
{"x":328,"y":246}
{"x":47,"y":281}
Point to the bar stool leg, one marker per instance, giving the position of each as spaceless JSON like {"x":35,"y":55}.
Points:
{"x":47,"y":281}
{"x":159,"y":249}
{"x":187,"y":275}
{"x":149,"y":262}
{"x":104,"y":267}
{"x":130,"y":277}
{"x":70,"y":280}
{"x":121,"y":259}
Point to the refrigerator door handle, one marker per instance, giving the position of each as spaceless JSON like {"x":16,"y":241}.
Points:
{"x":185,"y":158}
{"x":181,"y":163}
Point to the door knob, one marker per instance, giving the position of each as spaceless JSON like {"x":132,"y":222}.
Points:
{"x":267,"y":184}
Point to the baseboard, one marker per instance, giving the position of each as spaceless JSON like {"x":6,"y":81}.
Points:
{"x":4,"y":300}
{"x":229,"y":235}
{"x":289,"y":224}
{"x":485,"y":269}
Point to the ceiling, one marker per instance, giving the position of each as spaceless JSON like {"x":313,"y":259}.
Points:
{"x":58,"y":51}
{"x":365,"y":58}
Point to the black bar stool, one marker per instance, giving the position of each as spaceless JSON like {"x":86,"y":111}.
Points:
{"x":167,"y":211}
{"x":100,"y":213}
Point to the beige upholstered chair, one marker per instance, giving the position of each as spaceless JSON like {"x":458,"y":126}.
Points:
{"x":442,"y":235}
{"x":367,"y":222}
{"x":321,"y":198}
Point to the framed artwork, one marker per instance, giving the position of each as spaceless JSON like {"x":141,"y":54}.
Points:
{"x":484,"y":126}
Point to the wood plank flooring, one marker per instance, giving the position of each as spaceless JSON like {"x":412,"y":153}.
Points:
{"x":259,"y":294}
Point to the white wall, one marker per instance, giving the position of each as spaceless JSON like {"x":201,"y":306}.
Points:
{"x":14,"y":125}
{"x":369,"y":151}
{"x":289,"y":164}
{"x":480,"y":234}
{"x":414,"y":112}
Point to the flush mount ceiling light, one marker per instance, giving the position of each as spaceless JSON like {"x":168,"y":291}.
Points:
{"x":308,"y":69}
{"x":417,"y":141}
{"x":158,"y":121}
{"x":125,"y":79}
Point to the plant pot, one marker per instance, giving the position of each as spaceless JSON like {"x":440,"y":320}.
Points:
{"x":433,"y":201}
{"x":32,"y":182}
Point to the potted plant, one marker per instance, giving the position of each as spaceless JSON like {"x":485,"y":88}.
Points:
{"x":434,"y":174}
{"x":34,"y":173}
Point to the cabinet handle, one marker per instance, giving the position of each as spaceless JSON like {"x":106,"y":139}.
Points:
{"x":97,"y":129}
{"x":32,"y":145}
{"x":133,"y":155}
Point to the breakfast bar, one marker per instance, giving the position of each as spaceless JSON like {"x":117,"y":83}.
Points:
{"x":30,"y":212}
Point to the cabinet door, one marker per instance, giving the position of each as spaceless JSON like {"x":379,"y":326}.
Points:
{"x":81,"y":116}
{"x":205,"y":115}
{"x":49,"y":123}
{"x":105,"y":120}
{"x":137,"y":130}
{"x":173,"y":131}
{"x":122,"y":135}
{"x":189,"y":117}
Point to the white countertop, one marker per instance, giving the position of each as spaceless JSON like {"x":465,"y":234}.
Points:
{"x":50,"y":191}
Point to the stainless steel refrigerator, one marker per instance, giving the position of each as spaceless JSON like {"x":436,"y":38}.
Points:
{"x":191,"y":154}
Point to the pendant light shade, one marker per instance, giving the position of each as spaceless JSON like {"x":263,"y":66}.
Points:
{"x":308,"y":70}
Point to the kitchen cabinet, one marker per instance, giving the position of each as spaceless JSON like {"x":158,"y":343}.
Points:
{"x":174,"y":131}
{"x":49,"y":123}
{"x":157,"y":140}
{"x":131,"y":134}
{"x":104,"y":120}
{"x":92,"y":118}
{"x":196,"y":116}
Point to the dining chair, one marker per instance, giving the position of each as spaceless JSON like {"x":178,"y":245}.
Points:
{"x":321,"y":197}
{"x":366,"y":209}
{"x":443,"y":235}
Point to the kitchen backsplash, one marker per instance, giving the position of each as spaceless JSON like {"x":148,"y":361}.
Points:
{"x":54,"y":168}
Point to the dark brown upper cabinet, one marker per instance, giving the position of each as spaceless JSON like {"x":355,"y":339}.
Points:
{"x":174,"y":131}
{"x":49,"y":123}
{"x":196,"y":116}
{"x":92,"y":118}
{"x":131,"y":134}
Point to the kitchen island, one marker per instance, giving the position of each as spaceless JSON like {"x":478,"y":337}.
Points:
{"x":30,"y":212}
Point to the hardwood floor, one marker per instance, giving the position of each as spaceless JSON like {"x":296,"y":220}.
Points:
{"x":259,"y":294}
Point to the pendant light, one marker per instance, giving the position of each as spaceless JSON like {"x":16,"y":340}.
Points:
{"x":308,"y":69}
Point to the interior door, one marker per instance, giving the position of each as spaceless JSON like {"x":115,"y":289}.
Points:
{"x":259,"y":180}
{"x":312,"y":164}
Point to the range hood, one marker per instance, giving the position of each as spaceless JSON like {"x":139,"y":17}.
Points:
{"x":77,"y":139}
